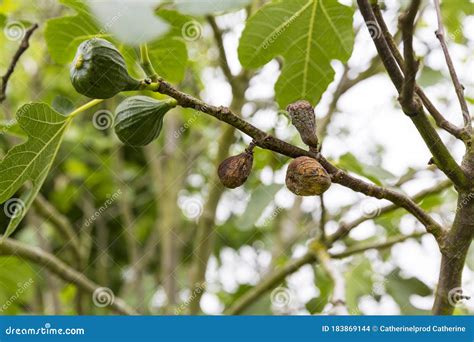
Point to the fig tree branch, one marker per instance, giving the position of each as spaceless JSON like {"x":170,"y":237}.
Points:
{"x":61,"y":222}
{"x":411,"y":104}
{"x":345,"y":228}
{"x":441,"y":156}
{"x":24,"y":45}
{"x":63,"y":271}
{"x":458,"y":87}
{"x":269,"y":142}
{"x":441,"y":122}
{"x":223,"y":61}
{"x":377,"y":245}
{"x":278,"y":276}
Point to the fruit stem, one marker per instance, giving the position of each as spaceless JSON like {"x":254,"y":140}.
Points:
{"x":146,"y":64}
{"x":150,"y":86}
{"x":85,"y":107}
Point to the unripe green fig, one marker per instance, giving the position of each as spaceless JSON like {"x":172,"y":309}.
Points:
{"x":139,"y":119}
{"x":99,"y":70}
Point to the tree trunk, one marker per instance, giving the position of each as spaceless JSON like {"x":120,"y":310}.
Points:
{"x":455,"y":248}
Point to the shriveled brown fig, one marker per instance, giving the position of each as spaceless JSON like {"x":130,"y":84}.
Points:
{"x":234,"y":171}
{"x":306,"y":177}
{"x":303,"y":118}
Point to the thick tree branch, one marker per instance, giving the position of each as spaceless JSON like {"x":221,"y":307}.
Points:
{"x":269,"y":142}
{"x":441,"y":122}
{"x":442,"y":157}
{"x":458,"y":87}
{"x":410,"y":103}
{"x":345,"y":228}
{"x":24,"y":45}
{"x":56,"y":266}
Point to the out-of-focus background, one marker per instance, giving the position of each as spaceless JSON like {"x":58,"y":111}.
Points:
{"x":129,"y":207}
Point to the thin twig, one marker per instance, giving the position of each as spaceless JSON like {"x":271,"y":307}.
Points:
{"x":56,"y":266}
{"x":345,"y":228}
{"x":458,"y":87}
{"x":377,"y":246}
{"x":59,"y":221}
{"x":24,"y":45}
{"x":223,"y":61}
{"x":440,"y":120}
{"x":269,"y":283}
{"x":279,"y":275}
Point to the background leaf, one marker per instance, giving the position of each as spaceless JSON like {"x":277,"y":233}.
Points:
{"x":121,"y":18}
{"x":375,"y":173}
{"x":358,"y":283}
{"x":16,"y":280}
{"x":261,"y":198}
{"x":401,"y":289}
{"x":202,"y":7}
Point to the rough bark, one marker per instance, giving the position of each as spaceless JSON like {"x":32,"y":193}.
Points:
{"x":455,"y":247}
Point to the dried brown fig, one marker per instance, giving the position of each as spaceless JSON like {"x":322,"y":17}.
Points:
{"x":234,"y":171}
{"x":303,"y":118}
{"x":306,"y":177}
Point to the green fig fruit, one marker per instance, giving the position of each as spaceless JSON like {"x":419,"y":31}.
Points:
{"x":139,"y":119}
{"x":99,"y":70}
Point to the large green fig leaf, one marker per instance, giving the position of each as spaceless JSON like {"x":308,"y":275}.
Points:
{"x":31,"y":160}
{"x":308,"y":34}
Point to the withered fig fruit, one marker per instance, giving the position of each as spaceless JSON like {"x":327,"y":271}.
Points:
{"x":234,"y":171}
{"x":306,"y":177}
{"x":303,"y":118}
